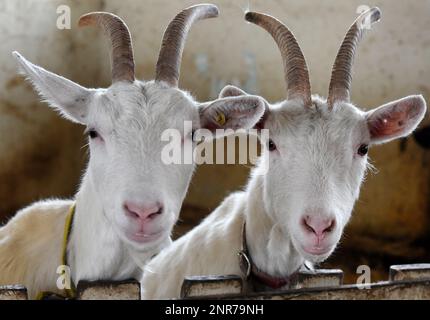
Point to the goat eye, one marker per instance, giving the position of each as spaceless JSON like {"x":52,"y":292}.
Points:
{"x":363,"y":149}
{"x":272,"y":145}
{"x":93,"y":134}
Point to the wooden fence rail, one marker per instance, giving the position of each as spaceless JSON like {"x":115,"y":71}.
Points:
{"x":405,"y":282}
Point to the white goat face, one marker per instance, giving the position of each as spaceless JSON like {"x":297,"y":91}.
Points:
{"x":140,"y":193}
{"x":317,"y":161}
{"x":318,"y":149}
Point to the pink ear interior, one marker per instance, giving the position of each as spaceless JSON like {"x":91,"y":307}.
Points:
{"x":387,"y":124}
{"x":396,"y":119}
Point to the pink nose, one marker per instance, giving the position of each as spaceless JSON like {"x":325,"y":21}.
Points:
{"x":320,"y":226}
{"x":142,"y":212}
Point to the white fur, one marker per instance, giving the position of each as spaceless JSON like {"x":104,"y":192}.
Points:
{"x":125,"y":165}
{"x":315,"y":171}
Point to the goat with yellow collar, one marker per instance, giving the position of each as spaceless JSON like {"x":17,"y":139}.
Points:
{"x":129,"y":199}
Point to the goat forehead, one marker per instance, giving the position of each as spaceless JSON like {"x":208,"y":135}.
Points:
{"x":146,"y":107}
{"x":318,"y":124}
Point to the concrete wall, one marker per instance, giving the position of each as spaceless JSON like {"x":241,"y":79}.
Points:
{"x":40,"y":154}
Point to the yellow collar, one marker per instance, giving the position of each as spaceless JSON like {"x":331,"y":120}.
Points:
{"x":69,"y":293}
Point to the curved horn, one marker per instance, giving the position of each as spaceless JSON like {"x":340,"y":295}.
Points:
{"x":169,"y":59}
{"x":119,"y":35}
{"x":295,"y":68}
{"x":340,"y":83}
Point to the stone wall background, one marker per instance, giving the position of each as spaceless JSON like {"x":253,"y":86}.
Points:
{"x":41,"y":155}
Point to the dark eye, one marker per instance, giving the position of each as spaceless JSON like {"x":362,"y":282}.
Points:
{"x":93,"y":134}
{"x":363,"y":149}
{"x":272,"y":145}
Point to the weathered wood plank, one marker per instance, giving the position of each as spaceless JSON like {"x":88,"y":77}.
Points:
{"x":197,"y":286}
{"x":15,"y":292}
{"x":319,"y":278}
{"x":109,"y":290}
{"x":404,"y":272}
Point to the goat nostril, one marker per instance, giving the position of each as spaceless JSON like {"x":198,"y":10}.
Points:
{"x":307,"y":226}
{"x":318,"y":226}
{"x":142,"y":212}
{"x":130,"y":213}
{"x":153,"y":215}
{"x":330,"y":227}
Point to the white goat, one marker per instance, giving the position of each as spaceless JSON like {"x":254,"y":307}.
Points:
{"x":316,"y":159}
{"x":129,"y":199}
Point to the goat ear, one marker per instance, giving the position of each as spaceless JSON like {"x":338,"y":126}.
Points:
{"x":231,"y":91}
{"x":241,"y":112}
{"x":69,"y":98}
{"x":395,"y":119}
